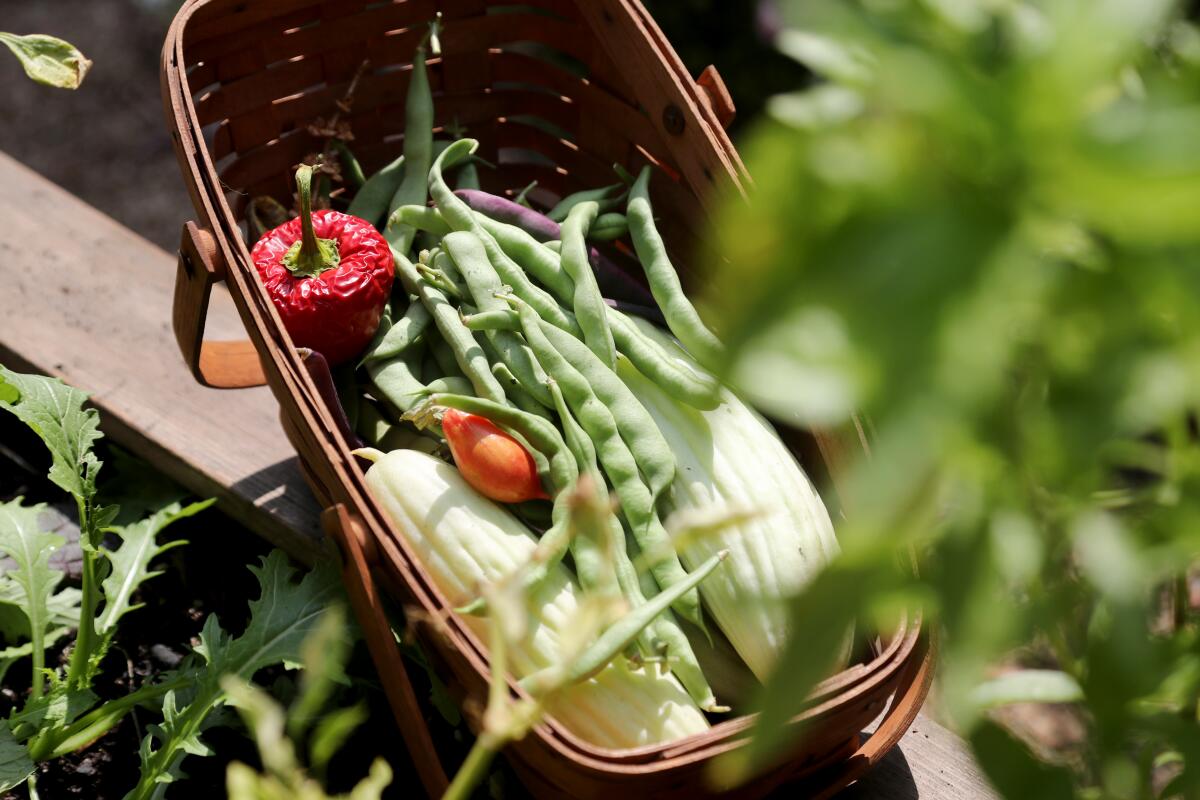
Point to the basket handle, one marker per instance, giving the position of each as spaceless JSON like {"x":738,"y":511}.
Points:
{"x":357,"y":550}
{"x":716,"y":93}
{"x":218,"y":364}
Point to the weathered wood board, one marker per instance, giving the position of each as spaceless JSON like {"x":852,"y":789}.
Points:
{"x":89,"y":301}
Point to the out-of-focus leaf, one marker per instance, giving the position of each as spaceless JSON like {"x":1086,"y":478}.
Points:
{"x":332,"y":732}
{"x":817,"y":107}
{"x":324,"y":655}
{"x":1009,"y":767}
{"x":1107,"y":557}
{"x":1027,"y":686}
{"x":48,"y":60}
{"x":826,"y":56}
{"x":284,"y":614}
{"x":819,"y":628}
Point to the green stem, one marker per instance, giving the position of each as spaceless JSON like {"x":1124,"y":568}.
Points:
{"x":97,"y":722}
{"x":473,"y":771}
{"x":309,"y":250}
{"x":310,"y":256}
{"x":78,"y":676}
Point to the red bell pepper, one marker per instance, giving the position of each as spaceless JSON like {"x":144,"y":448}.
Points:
{"x":329,"y":274}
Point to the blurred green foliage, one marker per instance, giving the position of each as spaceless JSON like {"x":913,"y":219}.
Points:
{"x":981,"y":230}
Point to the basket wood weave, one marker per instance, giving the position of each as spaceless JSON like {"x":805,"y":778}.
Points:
{"x":241,"y":82}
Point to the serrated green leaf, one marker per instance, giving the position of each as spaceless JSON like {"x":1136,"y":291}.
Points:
{"x":55,"y":412}
{"x":34,"y":580}
{"x":284,"y":614}
{"x":59,"y":707}
{"x":15,"y":764}
{"x":130,"y":562}
{"x":48,"y":60}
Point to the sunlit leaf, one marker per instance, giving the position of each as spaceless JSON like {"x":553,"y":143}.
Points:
{"x":48,"y":60}
{"x":1027,"y":686}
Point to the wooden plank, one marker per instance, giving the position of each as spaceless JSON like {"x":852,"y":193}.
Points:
{"x":89,"y":301}
{"x":930,"y":763}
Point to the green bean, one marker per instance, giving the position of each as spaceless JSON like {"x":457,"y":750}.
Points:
{"x":440,"y":281}
{"x":443,"y":356}
{"x":418,"y":149}
{"x":590,"y":311}
{"x":554,"y":246}
{"x":467,"y":353}
{"x":451,"y":384}
{"x":536,"y":257}
{"x":564,"y":206}
{"x":522,"y":198}
{"x":423,"y":218}
{"x":372,"y":426}
{"x":539,"y":259}
{"x":347,"y":391}
{"x":445,"y":264}
{"x":402,"y":334}
{"x":351,"y":170}
{"x":697,"y":389}
{"x":470,"y":257}
{"x":617,"y":636}
{"x":678,"y":648}
{"x":497,"y":319}
{"x":637,"y":501}
{"x":467,"y":176}
{"x":460,"y":217}
{"x":588,"y":553}
{"x":637,"y":427}
{"x":371,"y":201}
{"x":521,"y":398}
{"x":681,"y":315}
{"x":394,"y":381}
{"x":607,"y":227}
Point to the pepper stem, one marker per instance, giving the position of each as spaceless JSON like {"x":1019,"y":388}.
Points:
{"x":310,"y":256}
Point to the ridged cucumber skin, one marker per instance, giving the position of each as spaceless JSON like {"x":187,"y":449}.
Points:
{"x":464,"y":540}
{"x":731,"y":456}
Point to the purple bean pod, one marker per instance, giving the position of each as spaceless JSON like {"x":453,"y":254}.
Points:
{"x":501,"y":209}
{"x":318,"y":370}
{"x":648,"y":313}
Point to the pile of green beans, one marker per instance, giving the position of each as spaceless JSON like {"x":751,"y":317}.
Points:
{"x":494,"y":315}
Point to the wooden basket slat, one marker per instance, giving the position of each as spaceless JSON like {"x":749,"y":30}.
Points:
{"x":223,"y":18}
{"x":607,"y":116}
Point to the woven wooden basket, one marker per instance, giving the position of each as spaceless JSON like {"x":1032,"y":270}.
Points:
{"x":241,"y":80}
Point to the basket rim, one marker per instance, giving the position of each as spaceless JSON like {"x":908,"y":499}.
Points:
{"x":297,"y":393}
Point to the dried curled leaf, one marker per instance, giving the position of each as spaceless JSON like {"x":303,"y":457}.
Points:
{"x":48,"y":60}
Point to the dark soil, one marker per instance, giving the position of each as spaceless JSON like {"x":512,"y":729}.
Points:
{"x":206,"y":576}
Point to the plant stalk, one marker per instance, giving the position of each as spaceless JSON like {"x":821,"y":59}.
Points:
{"x":473,"y":771}
{"x":85,"y":640}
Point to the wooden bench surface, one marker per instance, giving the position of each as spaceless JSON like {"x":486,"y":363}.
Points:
{"x":89,"y":301}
